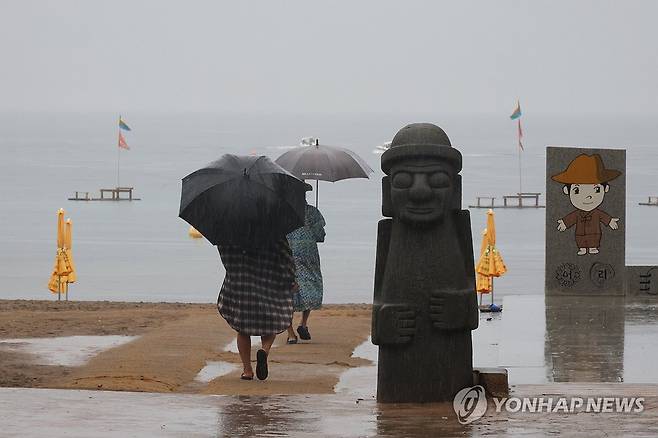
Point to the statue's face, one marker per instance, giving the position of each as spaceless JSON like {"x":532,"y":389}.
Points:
{"x":421,"y":190}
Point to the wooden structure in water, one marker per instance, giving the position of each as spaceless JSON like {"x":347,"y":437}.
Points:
{"x":653,"y":200}
{"x":510,"y":201}
{"x":114,"y":194}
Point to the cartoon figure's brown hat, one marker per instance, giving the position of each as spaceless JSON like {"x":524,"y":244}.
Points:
{"x":421,"y":141}
{"x":586,"y":169}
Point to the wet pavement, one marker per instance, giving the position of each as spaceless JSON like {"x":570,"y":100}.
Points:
{"x":71,"y":413}
{"x":571,"y":339}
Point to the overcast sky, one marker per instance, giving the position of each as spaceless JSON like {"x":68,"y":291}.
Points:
{"x":351,"y":56}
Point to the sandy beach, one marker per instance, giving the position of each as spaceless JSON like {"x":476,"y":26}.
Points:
{"x":173,"y":342}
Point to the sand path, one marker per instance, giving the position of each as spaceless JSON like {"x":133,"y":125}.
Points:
{"x":175,"y":342}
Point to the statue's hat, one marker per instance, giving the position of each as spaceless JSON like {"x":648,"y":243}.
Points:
{"x":421,"y":141}
{"x":586,"y":169}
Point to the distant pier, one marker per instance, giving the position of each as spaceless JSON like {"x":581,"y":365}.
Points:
{"x":114,"y":194}
{"x":653,"y":200}
{"x":510,"y":201}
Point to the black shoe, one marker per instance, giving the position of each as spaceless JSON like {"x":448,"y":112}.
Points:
{"x":261,"y":365}
{"x":303,"y":333}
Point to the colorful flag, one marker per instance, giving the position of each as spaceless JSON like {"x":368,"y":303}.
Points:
{"x":520,"y":135}
{"x":517,"y":111}
{"x":122,"y":125}
{"x":122,"y":142}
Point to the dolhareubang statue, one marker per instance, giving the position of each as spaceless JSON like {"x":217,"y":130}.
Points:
{"x":425,"y":302}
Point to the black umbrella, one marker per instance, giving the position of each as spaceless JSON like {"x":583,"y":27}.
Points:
{"x":243,"y":200}
{"x":326,"y":163}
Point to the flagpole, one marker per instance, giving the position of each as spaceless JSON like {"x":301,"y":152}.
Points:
{"x":118,"y":154}
{"x":520,"y":173}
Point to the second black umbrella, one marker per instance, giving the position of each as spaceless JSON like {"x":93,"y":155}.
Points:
{"x":326,"y":163}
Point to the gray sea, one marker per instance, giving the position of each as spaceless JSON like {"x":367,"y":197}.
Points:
{"x":140,"y":251}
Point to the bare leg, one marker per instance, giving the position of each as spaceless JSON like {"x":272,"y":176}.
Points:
{"x":244,"y":347}
{"x":291,"y":333}
{"x":267,"y":342}
{"x":261,"y":356}
{"x":305,"y":316}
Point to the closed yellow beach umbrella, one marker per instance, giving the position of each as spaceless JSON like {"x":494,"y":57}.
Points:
{"x":491,"y":263}
{"x":483,"y":283}
{"x":68,"y":244}
{"x":61,"y":228}
{"x":62,"y":263}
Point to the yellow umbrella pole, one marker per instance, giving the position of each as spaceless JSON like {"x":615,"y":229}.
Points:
{"x":61,"y":231}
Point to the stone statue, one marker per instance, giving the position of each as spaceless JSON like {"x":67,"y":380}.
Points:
{"x":425,"y":302}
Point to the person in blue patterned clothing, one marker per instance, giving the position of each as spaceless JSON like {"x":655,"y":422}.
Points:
{"x":304,"y":245}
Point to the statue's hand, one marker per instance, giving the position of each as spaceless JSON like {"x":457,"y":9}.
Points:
{"x":454,"y":310}
{"x":394,"y":324}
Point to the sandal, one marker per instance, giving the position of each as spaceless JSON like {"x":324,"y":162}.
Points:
{"x":304,"y":333}
{"x":243,"y":377}
{"x":291,"y":341}
{"x":261,"y":364}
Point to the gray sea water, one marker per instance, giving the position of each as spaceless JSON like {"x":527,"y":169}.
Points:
{"x":141,"y":251}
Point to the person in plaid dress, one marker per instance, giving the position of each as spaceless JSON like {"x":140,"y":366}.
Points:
{"x":256,"y":298}
{"x":304,"y":244}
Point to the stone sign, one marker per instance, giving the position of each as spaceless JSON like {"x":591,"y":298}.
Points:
{"x":585,"y":221}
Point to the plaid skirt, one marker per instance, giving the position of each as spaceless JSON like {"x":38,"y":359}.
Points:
{"x":256,"y":296}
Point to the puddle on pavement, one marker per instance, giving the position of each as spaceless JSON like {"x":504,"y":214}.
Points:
{"x":360,"y":382}
{"x":213,"y":370}
{"x":366,"y":350}
{"x":68,"y":351}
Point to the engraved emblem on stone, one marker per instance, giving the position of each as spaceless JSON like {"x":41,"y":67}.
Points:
{"x":568,"y":274}
{"x":601,"y":273}
{"x":648,"y":282}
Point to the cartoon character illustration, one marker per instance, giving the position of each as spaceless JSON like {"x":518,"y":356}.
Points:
{"x":586,"y":181}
